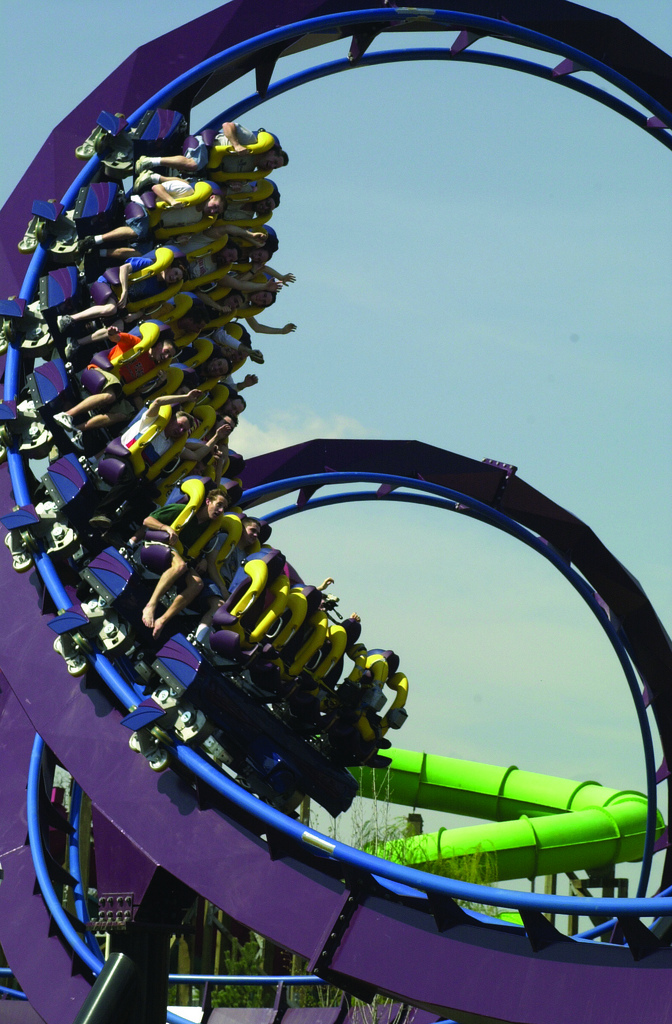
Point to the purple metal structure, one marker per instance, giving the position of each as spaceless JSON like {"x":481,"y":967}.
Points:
{"x":353,"y":931}
{"x":152,"y":830}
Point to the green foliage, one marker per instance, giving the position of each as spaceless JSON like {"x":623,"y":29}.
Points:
{"x":368,"y":1013}
{"x":312,"y":995}
{"x":241,"y":959}
{"x":386,"y":837}
{"x":479,"y":867}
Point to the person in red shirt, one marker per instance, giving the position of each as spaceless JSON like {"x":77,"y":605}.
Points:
{"x":143,"y":362}
{"x":110,"y":406}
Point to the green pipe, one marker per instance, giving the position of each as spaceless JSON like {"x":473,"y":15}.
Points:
{"x":533,"y":833}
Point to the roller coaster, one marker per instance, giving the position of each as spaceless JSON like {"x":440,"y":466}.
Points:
{"x":239,"y":729}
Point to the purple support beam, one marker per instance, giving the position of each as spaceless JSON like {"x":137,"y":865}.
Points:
{"x":415,"y":949}
{"x":41,"y":962}
{"x":14,"y":1012}
{"x":566,"y":67}
{"x":465,"y":40}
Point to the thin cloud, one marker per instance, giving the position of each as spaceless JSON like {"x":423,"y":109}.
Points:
{"x":283,"y":429}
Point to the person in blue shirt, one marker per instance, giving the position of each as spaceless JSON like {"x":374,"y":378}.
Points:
{"x":130,"y":291}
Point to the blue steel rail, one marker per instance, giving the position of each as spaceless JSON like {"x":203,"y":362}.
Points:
{"x":498,"y":60}
{"x":445,"y":498}
{"x":130,"y":696}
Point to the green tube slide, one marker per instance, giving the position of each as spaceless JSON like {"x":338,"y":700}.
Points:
{"x":539,"y":825}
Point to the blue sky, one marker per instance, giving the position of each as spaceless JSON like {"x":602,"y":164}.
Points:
{"x":482,"y":263}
